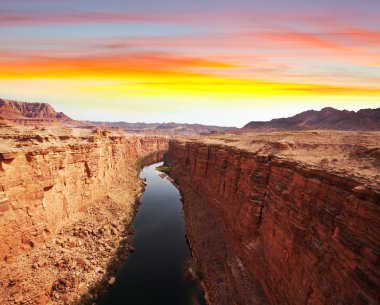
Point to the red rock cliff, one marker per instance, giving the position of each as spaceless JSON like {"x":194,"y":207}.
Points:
{"x":46,"y":182}
{"x":268,"y":231}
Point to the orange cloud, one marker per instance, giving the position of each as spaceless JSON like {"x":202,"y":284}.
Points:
{"x":119,"y":65}
{"x":160,"y":74}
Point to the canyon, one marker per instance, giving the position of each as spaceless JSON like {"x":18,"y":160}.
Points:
{"x":271,"y":218}
{"x":286,"y":218}
{"x":66,"y":196}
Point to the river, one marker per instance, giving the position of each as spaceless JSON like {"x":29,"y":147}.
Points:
{"x":154,"y":273}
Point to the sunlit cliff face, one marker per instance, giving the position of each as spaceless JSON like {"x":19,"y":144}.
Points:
{"x":216,"y":62}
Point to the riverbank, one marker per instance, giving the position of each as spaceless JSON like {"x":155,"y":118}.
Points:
{"x":155,"y":274}
{"x":82,"y":256}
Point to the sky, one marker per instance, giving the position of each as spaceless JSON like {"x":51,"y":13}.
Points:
{"x":193,"y":61}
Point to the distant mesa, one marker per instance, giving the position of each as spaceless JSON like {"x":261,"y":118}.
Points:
{"x":22,"y":113}
{"x":326,"y":119}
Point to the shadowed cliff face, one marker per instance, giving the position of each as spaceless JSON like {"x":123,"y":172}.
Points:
{"x":264,"y":230}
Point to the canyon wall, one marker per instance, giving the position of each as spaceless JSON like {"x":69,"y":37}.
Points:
{"x":42,"y":186}
{"x":264,"y":230}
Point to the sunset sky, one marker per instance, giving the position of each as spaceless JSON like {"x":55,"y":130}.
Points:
{"x":205,"y":61}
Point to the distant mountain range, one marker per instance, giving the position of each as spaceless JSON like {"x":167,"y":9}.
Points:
{"x":42,"y":114}
{"x":36,"y":114}
{"x":171,"y":128}
{"x":327,"y":118}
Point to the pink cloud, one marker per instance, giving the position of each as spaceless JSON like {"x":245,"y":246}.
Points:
{"x":19,"y":19}
{"x":253,"y":20}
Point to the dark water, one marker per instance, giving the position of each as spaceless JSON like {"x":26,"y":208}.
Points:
{"x":153,"y":275}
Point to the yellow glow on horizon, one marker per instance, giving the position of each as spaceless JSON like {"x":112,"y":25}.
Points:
{"x":167,"y":83}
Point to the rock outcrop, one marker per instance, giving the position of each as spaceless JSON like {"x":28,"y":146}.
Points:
{"x":45,"y":182}
{"x":270,"y":230}
{"x":32,"y":114}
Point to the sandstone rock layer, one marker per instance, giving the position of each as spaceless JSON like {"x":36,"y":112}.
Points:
{"x":40,"y":114}
{"x":265,"y":230}
{"x":43,"y":185}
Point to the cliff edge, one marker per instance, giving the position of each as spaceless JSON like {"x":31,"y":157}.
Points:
{"x":282,"y":218}
{"x":67,"y":196}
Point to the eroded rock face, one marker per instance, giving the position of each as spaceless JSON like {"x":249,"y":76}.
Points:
{"x":268,"y":231}
{"x":42,"y":186}
{"x":31,"y":113}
